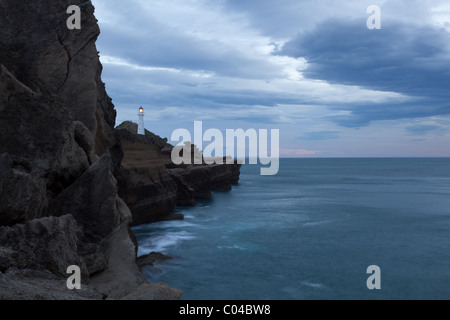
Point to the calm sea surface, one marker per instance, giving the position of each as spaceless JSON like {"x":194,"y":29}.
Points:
{"x":312,"y":231}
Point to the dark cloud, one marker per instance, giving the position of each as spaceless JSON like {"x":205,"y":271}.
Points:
{"x":363,"y":114}
{"x":285,"y":18}
{"x":213,"y":63}
{"x":407,"y":59}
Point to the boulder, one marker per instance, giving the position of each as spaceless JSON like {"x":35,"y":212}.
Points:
{"x":44,"y":244}
{"x":41,"y":285}
{"x":154,"y":291}
{"x":149,"y":260}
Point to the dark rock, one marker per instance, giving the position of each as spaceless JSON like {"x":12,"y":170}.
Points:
{"x":144,"y":183}
{"x":54,"y":111}
{"x":148,"y":138}
{"x":44,"y":244}
{"x":152,"y":186}
{"x":122,"y":276}
{"x":185,"y":192}
{"x":41,"y":285}
{"x":128,"y":126}
{"x":203,"y":179}
{"x":22,"y":198}
{"x":149,"y":260}
{"x":58,"y":152}
{"x":134,"y":240}
{"x":91,"y":200}
{"x":154,"y":291}
{"x":63,"y":168}
{"x":149,"y":192}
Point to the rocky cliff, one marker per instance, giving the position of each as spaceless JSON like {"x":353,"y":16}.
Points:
{"x":152,"y":186}
{"x":59,"y":203}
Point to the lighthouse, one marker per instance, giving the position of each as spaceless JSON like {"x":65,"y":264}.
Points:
{"x":141,"y":127}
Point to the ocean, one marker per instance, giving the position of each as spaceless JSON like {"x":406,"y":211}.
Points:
{"x":311,"y":232}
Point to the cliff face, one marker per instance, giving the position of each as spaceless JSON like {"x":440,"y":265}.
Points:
{"x":59,"y":203}
{"x":55,"y":114}
{"x":152,"y":186}
{"x":144,"y":183}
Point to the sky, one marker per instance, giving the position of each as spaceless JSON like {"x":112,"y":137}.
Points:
{"x":310,"y":68}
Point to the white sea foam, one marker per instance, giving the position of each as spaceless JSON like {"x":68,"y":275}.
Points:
{"x":316,"y":223}
{"x":161,"y":242}
{"x":231,"y":247}
{"x":178,"y":224}
{"x":313,"y":285}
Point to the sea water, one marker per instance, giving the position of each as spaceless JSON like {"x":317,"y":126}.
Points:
{"x":311,"y":232}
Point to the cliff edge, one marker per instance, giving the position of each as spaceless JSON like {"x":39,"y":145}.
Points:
{"x":59,"y":202}
{"x":152,"y":186}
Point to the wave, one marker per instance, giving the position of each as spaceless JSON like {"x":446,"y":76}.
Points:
{"x":313,"y":285}
{"x":231,"y":247}
{"x":161,"y":242}
{"x":316,"y":223}
{"x":178,"y":224}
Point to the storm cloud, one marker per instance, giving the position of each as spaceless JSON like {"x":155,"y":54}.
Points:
{"x":310,"y":68}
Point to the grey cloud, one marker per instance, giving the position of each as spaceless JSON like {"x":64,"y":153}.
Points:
{"x":406,"y":59}
{"x":420,"y":130}
{"x":146,"y":41}
{"x":319,"y":135}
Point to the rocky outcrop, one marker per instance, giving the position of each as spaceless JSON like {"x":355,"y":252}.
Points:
{"x":122,"y":276}
{"x":149,"y":260}
{"x":154,"y":291}
{"x":203,"y":179}
{"x":44,"y":244}
{"x":28,"y":284}
{"x":59,"y":202}
{"x":68,"y":179}
{"x":149,"y":138}
{"x":185,"y":192}
{"x":144,"y":182}
{"x":152,"y":186}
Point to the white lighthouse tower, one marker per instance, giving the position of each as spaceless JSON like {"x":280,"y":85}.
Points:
{"x":141,"y":127}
